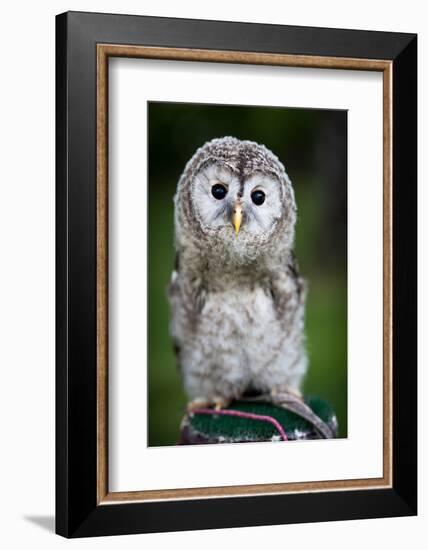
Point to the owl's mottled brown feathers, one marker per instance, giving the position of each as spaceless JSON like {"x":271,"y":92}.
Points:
{"x":237,"y":299}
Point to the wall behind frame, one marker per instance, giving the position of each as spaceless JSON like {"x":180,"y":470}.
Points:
{"x":27,"y":247}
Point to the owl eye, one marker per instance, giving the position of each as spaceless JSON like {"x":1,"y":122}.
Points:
{"x":219,"y":191}
{"x":258,"y":197}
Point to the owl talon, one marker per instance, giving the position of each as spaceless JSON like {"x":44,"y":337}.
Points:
{"x":204,"y":402}
{"x":198,"y":403}
{"x":220,"y":403}
{"x":217,"y":403}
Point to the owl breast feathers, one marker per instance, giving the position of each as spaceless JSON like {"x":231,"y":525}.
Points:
{"x":236,"y":298}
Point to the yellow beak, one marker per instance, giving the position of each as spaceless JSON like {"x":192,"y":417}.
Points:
{"x":237,"y":217}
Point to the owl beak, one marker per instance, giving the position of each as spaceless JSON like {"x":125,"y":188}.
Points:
{"x":237,"y":217}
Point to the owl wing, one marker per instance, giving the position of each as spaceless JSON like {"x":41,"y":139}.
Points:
{"x":300,"y":283}
{"x":289,"y":293}
{"x":186,"y":297}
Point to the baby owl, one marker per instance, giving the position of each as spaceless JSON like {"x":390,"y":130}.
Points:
{"x":237,"y":300}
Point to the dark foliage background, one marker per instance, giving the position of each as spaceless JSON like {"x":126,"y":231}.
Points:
{"x":312,"y":144}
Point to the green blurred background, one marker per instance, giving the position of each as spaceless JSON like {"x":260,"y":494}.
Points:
{"x":312,"y":144}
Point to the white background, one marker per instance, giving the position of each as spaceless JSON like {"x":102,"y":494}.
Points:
{"x":27,"y":273}
{"x":132,"y":83}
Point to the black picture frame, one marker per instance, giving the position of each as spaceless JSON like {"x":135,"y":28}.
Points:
{"x":78,"y":513}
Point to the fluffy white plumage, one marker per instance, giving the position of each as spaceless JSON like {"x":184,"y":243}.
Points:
{"x":237,"y":300}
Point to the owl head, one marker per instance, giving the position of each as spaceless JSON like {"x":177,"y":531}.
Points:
{"x":235,"y":197}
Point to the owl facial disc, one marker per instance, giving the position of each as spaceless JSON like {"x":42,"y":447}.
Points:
{"x":236,"y":201}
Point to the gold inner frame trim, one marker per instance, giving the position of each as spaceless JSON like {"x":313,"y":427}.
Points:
{"x":104,"y":51}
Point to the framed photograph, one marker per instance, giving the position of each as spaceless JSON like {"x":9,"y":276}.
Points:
{"x":236,"y":263}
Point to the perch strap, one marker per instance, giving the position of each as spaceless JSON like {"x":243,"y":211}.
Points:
{"x":295,"y":404}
